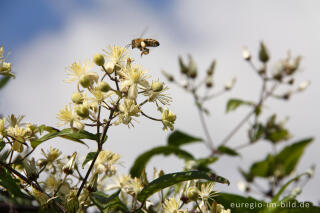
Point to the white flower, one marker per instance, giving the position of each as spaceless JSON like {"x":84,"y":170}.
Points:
{"x":116,"y":54}
{"x":230,"y":84}
{"x":168,"y":118}
{"x":246,"y":54}
{"x":127,"y":109}
{"x":68,"y":116}
{"x":171,"y":205}
{"x":76,"y":71}
{"x":105,"y":161}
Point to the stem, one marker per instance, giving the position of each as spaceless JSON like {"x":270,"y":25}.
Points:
{"x":205,"y":129}
{"x":145,"y":115}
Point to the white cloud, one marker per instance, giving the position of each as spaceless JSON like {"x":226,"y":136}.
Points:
{"x":206,"y":30}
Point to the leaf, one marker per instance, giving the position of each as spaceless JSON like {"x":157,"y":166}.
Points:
{"x":202,"y":163}
{"x":142,"y":160}
{"x":227,"y":150}
{"x":277,"y":196}
{"x":283,"y":163}
{"x":171,"y":179}
{"x":4,"y":81}
{"x":68,"y":133}
{"x":89,"y":157}
{"x":264,"y":168}
{"x":178,"y":138}
{"x":9,"y":184}
{"x":289,"y":157}
{"x":239,"y":204}
{"x":290,"y":206}
{"x":233,"y":104}
{"x":105,"y":203}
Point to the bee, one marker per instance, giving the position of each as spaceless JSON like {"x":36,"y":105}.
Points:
{"x":143,"y":43}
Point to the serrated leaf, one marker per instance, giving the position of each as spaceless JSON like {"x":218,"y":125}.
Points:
{"x":68,"y":133}
{"x":178,"y":138}
{"x":236,"y":203}
{"x":171,"y":179}
{"x":227,"y":150}
{"x":142,"y":160}
{"x":233,"y":104}
{"x":106,"y":203}
{"x":4,"y":81}
{"x":89,"y":157}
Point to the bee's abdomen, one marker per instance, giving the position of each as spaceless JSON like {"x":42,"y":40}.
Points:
{"x":151,"y":42}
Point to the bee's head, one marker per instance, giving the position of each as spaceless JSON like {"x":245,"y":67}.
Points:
{"x":133,"y":43}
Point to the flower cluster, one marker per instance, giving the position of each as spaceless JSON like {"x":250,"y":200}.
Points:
{"x":5,"y":67}
{"x":124,"y":100}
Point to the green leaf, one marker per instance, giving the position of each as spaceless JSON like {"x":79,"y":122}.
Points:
{"x":171,"y":179}
{"x":89,"y":157}
{"x":202,"y":163}
{"x":277,"y":196}
{"x":141,"y":162}
{"x":178,"y":138}
{"x":236,"y":203}
{"x":289,"y":157}
{"x":68,"y":133}
{"x":227,"y":150}
{"x":106,"y":203}
{"x":4,"y":81}
{"x":264,"y":168}
{"x":233,"y":104}
{"x":9,"y":183}
{"x":283,"y":163}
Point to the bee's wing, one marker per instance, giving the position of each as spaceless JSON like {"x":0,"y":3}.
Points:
{"x":144,"y":32}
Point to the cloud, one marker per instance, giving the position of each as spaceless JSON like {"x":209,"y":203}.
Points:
{"x":206,"y":30}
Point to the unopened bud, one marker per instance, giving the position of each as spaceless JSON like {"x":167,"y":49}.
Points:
{"x":104,"y":86}
{"x":210,"y":71}
{"x":209,"y":82}
{"x":109,"y":67}
{"x":88,"y":79}
{"x":291,"y":81}
{"x":157,"y":86}
{"x":84,"y":81}
{"x":263,"y":53}
{"x":192,"y":68}
{"x":304,"y":85}
{"x":246,"y":54}
{"x":69,"y":167}
{"x":229,"y":85}
{"x":168,"y":76}
{"x":77,"y":98}
{"x":193,"y":193}
{"x":98,"y":59}
{"x":93,"y":183}
{"x":183,"y":68}
{"x":31,"y":169}
{"x":82,"y":111}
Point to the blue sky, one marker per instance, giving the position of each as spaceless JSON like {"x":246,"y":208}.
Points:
{"x":46,"y":36}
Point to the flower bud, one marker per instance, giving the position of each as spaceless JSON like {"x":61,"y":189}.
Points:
{"x":84,"y":81}
{"x":193,"y":193}
{"x":41,"y":162}
{"x":82,"y":111}
{"x":263,"y":53}
{"x":109,"y":67}
{"x":209,"y":82}
{"x":69,"y":167}
{"x":88,"y":79}
{"x":77,"y":98}
{"x":229,"y":85}
{"x":104,"y":86}
{"x":210,"y":71}
{"x":304,"y":85}
{"x":168,"y":76}
{"x":246,"y":54}
{"x":98,"y":59}
{"x":157,"y":86}
{"x":183,"y":68}
{"x":93,"y":183}
{"x":30,"y":169}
